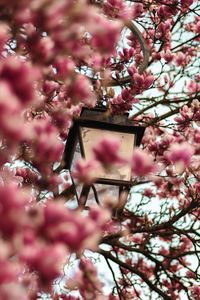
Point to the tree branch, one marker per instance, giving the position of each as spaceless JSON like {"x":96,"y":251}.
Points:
{"x":135,"y":271}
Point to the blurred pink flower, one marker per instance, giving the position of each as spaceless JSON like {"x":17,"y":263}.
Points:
{"x":8,"y":175}
{"x":180,"y":155}
{"x":137,"y":10}
{"x":117,"y":9}
{"x":142,"y":163}
{"x":71,"y":228}
{"x":64,"y":67}
{"x":105,"y":34}
{"x":12,"y":213}
{"x":107,"y":152}
{"x":195,"y":290}
{"x":19,"y":76}
{"x":4,"y":35}
{"x":80,"y":91}
{"x":86,"y":171}
{"x":87,"y":281}
{"x":47,"y":147}
{"x":46,"y":260}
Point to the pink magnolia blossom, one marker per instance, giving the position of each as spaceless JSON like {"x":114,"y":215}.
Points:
{"x":12,"y":214}
{"x":27,"y":176}
{"x":86,"y":171}
{"x":181,"y":59}
{"x":87,"y":281}
{"x":140,"y":82}
{"x":47,"y":146}
{"x":105,"y":40}
{"x":122,"y":103}
{"x":195,"y":291}
{"x":47,"y":261}
{"x":14,"y":291}
{"x":148,"y":192}
{"x":193,"y":87}
{"x":168,"y":56}
{"x":80,"y":91}
{"x":76,"y":231}
{"x":8,"y":175}
{"x":185,"y":4}
{"x":100,"y":216}
{"x":142,"y":163}
{"x":163,"y":30}
{"x":117,"y":9}
{"x":137,"y":10}
{"x":180,"y":155}
{"x":164,"y":12}
{"x":19,"y":76}
{"x":43,"y":48}
{"x":107,"y":152}
{"x":9,"y":271}
{"x":50,"y":87}
{"x":126,"y":55}
{"x":11,"y":123}
{"x":64,"y":67}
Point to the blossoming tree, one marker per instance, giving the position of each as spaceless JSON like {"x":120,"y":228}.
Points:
{"x":142,"y":57}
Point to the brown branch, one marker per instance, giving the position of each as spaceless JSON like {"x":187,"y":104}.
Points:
{"x":113,"y":275}
{"x":135,"y":271}
{"x":161,"y":102}
{"x":193,"y":38}
{"x":169,"y":223}
{"x":153,"y":228}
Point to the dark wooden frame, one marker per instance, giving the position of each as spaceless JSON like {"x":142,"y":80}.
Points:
{"x":99,"y":119}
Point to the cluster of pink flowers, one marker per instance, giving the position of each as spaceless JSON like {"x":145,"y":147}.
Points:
{"x":142,"y":163}
{"x":57,"y":56}
{"x":180,"y":155}
{"x":123,"y":102}
{"x":87,"y":281}
{"x":86,"y":170}
{"x":106,"y":154}
{"x":105,"y":40}
{"x":117,"y":9}
{"x":137,"y":10}
{"x":41,"y":44}
{"x":188,"y":114}
{"x":140,"y":82}
{"x":17,"y":93}
{"x":46,"y":143}
{"x":37,"y":231}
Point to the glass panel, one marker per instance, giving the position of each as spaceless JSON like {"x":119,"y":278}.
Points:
{"x":91,"y":136}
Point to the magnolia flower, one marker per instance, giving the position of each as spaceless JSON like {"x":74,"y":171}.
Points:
{"x":71,"y":228}
{"x":106,"y":39}
{"x":80,"y":91}
{"x":19,"y":76}
{"x":86,"y":171}
{"x":46,"y":260}
{"x":116,"y":9}
{"x":12,"y":213}
{"x":180,"y":155}
{"x":8,"y":175}
{"x":47,"y":147}
{"x":107,"y":152}
{"x":142,"y":163}
{"x":87,"y":281}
